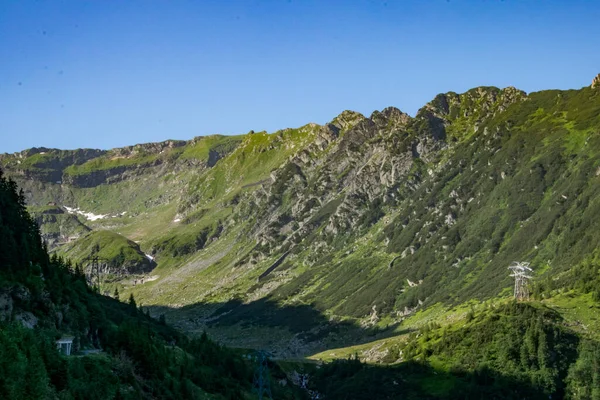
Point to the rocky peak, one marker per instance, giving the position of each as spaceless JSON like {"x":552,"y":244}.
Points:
{"x":440,"y":105}
{"x":472,"y":107}
{"x":347,"y":120}
{"x":596,"y":82}
{"x":390,"y":117}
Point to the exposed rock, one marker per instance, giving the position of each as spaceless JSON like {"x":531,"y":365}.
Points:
{"x":27,"y":319}
{"x":373,"y":318}
{"x":152,"y":148}
{"x":375,"y":354}
{"x":388,"y":182}
{"x":347,"y":120}
{"x":596,"y":82}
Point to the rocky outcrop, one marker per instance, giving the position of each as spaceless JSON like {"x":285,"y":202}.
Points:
{"x":27,"y":319}
{"x":58,"y":227}
{"x":148,"y":148}
{"x":347,"y":120}
{"x":10,"y":300}
{"x":399,"y":184}
{"x":363,"y":162}
{"x":596,"y":82}
{"x":107,"y":176}
{"x":46,"y":165}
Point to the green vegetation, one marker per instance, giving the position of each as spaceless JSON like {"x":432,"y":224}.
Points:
{"x":110,"y":247}
{"x":397,"y":232}
{"x":52,"y":160}
{"x":141,"y":358}
{"x":518,"y":341}
{"x":57,"y":226}
{"x":511,"y":351}
{"x":180,"y":244}
{"x":207,"y":149}
{"x":202,"y":149}
{"x":252,"y":161}
{"x":111,"y":162}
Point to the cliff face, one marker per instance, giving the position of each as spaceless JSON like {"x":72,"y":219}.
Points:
{"x":45,"y":165}
{"x":57,"y":226}
{"x":88,"y":168}
{"x":389,"y":212}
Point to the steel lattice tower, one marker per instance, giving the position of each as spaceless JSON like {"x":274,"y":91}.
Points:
{"x":262,"y":383}
{"x":95,"y":262}
{"x":520,"y":271}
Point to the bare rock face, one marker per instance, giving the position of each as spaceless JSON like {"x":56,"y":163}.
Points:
{"x":596,"y":82}
{"x":27,"y":319}
{"x":347,"y":120}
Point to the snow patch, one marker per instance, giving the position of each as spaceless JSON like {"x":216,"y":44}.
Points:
{"x":90,"y":216}
{"x":149,"y":257}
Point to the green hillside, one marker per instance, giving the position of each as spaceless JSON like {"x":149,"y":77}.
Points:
{"x":119,"y":352}
{"x":56,"y":225}
{"x":370,"y":235}
{"x":119,"y":253}
{"x":398,"y":213}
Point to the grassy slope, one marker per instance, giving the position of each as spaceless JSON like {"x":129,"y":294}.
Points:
{"x":511,"y":176}
{"x":138,"y":357}
{"x":110,"y":245}
{"x":493,"y":229}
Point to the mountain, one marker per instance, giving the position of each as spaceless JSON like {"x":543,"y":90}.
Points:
{"x":331,"y":239}
{"x":118,"y":352}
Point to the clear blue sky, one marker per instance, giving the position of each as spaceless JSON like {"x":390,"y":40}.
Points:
{"x":110,"y":73}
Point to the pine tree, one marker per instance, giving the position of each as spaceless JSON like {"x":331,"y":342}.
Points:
{"x":543,"y":353}
{"x":132,"y":302}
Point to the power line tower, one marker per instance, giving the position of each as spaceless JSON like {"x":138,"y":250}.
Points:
{"x":261,"y":382}
{"x":95,"y":263}
{"x":521,"y":271}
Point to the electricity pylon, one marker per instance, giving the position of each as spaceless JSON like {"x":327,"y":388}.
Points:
{"x":261,"y":376}
{"x":520,"y":271}
{"x":95,"y":263}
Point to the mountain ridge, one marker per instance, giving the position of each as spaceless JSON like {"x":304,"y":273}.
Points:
{"x":379,"y":217}
{"x":342,"y":116}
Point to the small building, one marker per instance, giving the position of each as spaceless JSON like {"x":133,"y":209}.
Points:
{"x":64,"y":344}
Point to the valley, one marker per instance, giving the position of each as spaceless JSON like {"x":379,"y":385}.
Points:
{"x":385,"y":237}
